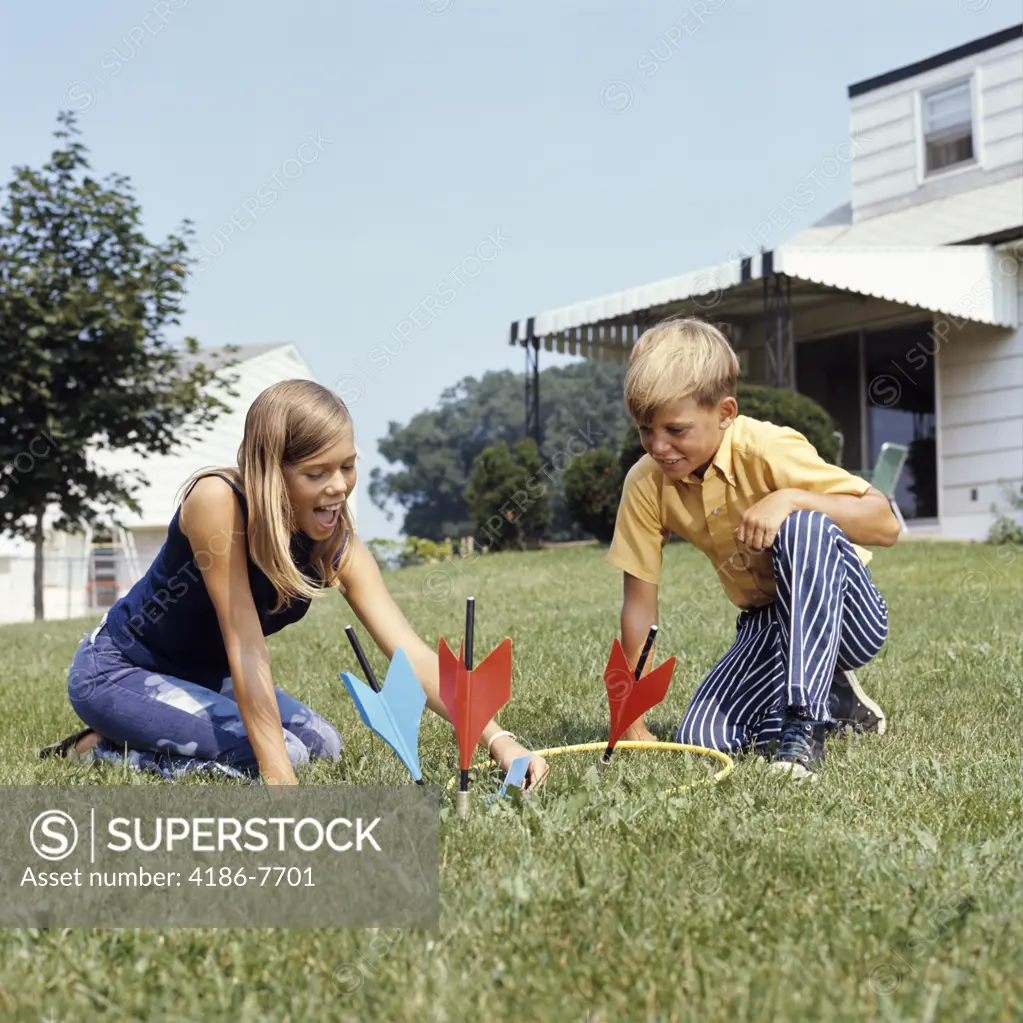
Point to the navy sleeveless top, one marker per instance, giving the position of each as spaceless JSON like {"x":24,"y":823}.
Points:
{"x":167,"y":622}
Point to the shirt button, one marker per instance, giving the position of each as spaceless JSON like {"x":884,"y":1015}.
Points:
{"x":716,"y":510}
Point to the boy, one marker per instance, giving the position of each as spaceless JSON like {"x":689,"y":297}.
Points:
{"x":780,"y":525}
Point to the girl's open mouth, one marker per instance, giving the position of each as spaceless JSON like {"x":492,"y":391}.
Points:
{"x":326,"y":515}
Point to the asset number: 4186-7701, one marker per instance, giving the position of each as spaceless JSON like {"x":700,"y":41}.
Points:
{"x":274,"y":877}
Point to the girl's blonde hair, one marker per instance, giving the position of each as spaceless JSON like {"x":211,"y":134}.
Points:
{"x":288,"y":423}
{"x":682,"y":358}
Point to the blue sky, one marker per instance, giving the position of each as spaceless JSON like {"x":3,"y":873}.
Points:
{"x":342,"y":162}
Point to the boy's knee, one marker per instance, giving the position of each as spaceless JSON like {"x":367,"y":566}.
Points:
{"x":804,"y":524}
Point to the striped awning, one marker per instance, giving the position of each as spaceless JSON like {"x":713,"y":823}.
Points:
{"x":966,"y":282}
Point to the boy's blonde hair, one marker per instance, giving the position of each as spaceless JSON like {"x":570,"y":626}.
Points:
{"x":682,"y":358}
{"x":288,"y":423}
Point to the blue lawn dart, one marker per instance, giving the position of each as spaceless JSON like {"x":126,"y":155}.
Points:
{"x":516,"y":776}
{"x":395,"y":711}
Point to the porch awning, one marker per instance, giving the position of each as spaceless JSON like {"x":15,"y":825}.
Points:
{"x":966,"y":282}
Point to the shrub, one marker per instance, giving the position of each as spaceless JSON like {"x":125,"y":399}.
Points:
{"x":413,"y":550}
{"x":507,"y":496}
{"x":630,"y":451}
{"x":787,"y":408}
{"x":1008,"y":527}
{"x":593,"y":486}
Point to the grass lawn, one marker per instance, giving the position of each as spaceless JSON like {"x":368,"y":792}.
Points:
{"x":890,"y":890}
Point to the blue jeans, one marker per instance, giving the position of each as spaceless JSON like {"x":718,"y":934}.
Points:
{"x":173,"y":726}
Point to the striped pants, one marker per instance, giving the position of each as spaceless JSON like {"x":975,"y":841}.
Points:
{"x":827,"y":613}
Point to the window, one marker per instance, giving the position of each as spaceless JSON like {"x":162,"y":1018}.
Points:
{"x":948,"y":126}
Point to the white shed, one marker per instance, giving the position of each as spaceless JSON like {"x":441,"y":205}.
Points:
{"x":85,"y":573}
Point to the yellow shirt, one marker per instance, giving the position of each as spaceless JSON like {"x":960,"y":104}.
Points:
{"x":755,"y":458}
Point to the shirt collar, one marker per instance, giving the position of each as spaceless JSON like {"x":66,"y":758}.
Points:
{"x":723,"y":461}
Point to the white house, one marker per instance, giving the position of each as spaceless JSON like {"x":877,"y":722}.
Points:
{"x":85,"y":573}
{"x":901,"y":311}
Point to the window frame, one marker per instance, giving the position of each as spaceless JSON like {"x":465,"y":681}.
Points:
{"x":972,"y":81}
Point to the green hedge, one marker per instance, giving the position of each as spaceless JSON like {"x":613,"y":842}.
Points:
{"x":508,"y":498}
{"x":593,"y":487}
{"x":787,"y":408}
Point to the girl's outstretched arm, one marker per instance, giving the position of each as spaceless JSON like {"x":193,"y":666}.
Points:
{"x":368,"y":596}
{"x":212,"y":520}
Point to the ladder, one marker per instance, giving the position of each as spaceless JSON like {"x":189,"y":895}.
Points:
{"x":113,"y":565}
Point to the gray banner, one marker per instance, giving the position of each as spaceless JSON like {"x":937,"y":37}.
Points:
{"x":219,"y":856}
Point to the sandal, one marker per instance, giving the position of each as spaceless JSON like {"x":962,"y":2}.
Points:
{"x":65,"y":747}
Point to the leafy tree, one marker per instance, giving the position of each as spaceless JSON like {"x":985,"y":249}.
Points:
{"x":580,"y":408}
{"x":507,"y":496}
{"x":84,"y":300}
{"x":438,"y":447}
{"x":593,"y":488}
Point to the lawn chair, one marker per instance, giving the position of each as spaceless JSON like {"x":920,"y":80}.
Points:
{"x":885,"y":474}
{"x":840,"y":441}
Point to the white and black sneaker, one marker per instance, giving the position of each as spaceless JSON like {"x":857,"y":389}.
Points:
{"x":851,"y":708}
{"x":800,"y":751}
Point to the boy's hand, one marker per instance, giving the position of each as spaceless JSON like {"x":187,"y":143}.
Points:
{"x":761,"y":522}
{"x":506,"y":749}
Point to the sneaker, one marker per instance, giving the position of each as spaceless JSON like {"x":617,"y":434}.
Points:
{"x":851,"y":708}
{"x":68,"y":748}
{"x":65,"y":747}
{"x":801,"y":747}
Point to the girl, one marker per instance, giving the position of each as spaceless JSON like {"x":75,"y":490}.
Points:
{"x":178,"y":670}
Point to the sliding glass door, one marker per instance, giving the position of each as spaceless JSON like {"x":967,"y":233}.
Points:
{"x":879,"y":386}
{"x":899,"y":371}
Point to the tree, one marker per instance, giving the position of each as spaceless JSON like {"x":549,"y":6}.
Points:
{"x":593,"y":488}
{"x":507,"y":496}
{"x":438,"y":447}
{"x":580,"y":408}
{"x":84,"y":301}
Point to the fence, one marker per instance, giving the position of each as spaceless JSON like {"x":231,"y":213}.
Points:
{"x":70,"y":590}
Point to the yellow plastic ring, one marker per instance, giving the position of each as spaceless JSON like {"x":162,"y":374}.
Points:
{"x":629,"y":744}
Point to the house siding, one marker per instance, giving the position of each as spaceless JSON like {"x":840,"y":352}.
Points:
{"x":980,"y":424}
{"x":885,"y":171}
